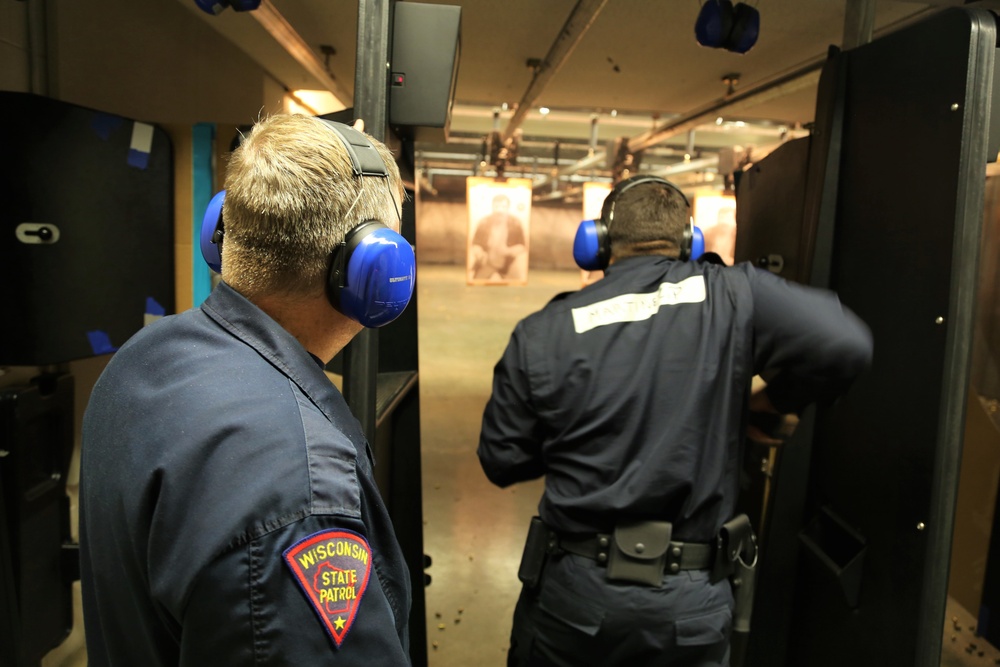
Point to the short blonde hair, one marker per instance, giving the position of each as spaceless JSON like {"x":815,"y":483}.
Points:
{"x":291,"y":197}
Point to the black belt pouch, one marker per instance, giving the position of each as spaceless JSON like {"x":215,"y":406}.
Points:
{"x":639,"y":552}
{"x":735,"y":538}
{"x":535,"y":553}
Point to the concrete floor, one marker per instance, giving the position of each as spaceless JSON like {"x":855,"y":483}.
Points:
{"x":473,"y":531}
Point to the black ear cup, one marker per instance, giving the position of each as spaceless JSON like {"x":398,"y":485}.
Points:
{"x":721,"y":25}
{"x":219,"y":6}
{"x":714,"y":23}
{"x":746,"y":28}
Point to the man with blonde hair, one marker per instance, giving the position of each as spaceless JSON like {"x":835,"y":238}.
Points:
{"x":229,"y":513}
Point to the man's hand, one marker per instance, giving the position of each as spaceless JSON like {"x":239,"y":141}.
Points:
{"x":778,"y":427}
{"x":759,"y":400}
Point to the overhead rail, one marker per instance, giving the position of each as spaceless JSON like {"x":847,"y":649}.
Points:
{"x":579,"y":21}
{"x":282,"y":31}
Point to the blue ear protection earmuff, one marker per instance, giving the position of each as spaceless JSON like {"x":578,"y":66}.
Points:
{"x":218,"y":6}
{"x":721,"y":25}
{"x":371,"y":272}
{"x":697,"y":242}
{"x":371,"y":276}
{"x":210,"y":238}
{"x":592,"y":244}
{"x":591,"y":249}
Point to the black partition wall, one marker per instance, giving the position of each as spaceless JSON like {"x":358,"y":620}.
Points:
{"x":86,"y":214}
{"x":86,"y":260}
{"x":859,"y":529}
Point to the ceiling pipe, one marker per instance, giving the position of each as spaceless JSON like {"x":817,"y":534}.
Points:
{"x":688,"y":165}
{"x":426,"y":183}
{"x":592,"y":147}
{"x":807,"y":75}
{"x":276,"y":25}
{"x":859,"y":23}
{"x":579,"y":21}
{"x":803,"y":77}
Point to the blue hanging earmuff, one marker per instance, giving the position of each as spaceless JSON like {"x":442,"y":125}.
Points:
{"x":371,"y":271}
{"x":592,"y":244}
{"x":746,"y":28}
{"x":218,"y":6}
{"x":721,"y":25}
{"x":714,"y":23}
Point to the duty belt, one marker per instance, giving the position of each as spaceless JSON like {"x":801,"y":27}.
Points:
{"x":680,"y":555}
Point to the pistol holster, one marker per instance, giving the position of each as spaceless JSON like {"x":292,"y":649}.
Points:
{"x":540,"y":543}
{"x":735,"y":542}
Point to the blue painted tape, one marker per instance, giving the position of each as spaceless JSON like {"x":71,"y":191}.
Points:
{"x":138,"y":159}
{"x":154,"y":308}
{"x":104,"y":124}
{"x":100,"y":342}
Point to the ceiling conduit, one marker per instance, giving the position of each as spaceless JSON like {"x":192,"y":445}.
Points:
{"x":268,"y":16}
{"x":579,"y":21}
{"x":232,"y":27}
{"x":804,"y":76}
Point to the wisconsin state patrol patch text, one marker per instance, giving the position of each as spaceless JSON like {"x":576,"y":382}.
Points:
{"x":332,"y":568}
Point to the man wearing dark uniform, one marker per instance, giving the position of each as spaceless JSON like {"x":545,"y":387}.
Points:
{"x":229,"y":514}
{"x":630,"y":397}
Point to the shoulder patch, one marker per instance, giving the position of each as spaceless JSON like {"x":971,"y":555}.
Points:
{"x":332,"y":568}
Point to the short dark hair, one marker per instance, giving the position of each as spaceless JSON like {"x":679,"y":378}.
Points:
{"x":649,"y":218}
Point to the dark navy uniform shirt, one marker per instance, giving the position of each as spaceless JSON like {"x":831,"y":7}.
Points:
{"x":229,"y":515}
{"x":629,"y":396}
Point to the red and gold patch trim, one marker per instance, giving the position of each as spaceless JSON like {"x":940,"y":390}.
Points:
{"x":332,"y":568}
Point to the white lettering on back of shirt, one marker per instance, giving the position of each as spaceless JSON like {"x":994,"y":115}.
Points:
{"x":638,"y":307}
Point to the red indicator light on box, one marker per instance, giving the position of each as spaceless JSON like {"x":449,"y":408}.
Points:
{"x":398,"y":79}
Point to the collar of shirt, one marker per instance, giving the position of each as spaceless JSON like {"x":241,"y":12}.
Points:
{"x":235,"y":313}
{"x":638,"y":260}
